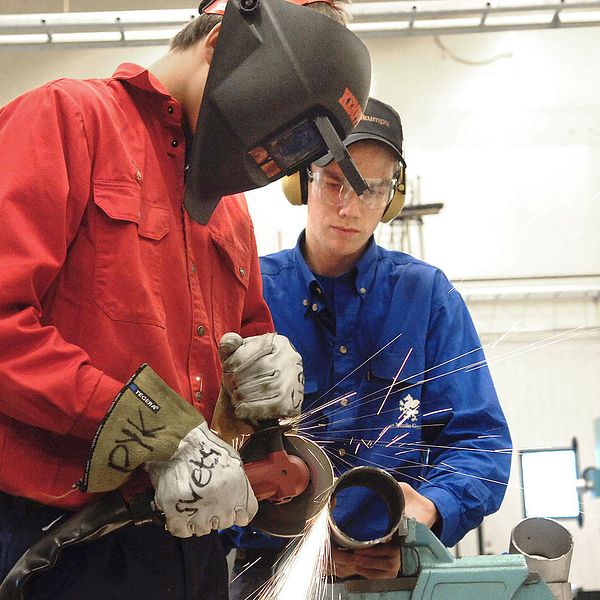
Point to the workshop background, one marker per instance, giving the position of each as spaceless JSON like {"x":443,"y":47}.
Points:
{"x":502,"y":128}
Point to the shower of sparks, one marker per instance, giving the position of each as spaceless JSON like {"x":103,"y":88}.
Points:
{"x":383,"y":432}
{"x":301,"y":574}
{"x":507,"y":333}
{"x":246,"y":567}
{"x":306,"y":415}
{"x":396,"y":439}
{"x":395,"y":378}
{"x":361,"y":365}
{"x":404,"y":384}
{"x":436,"y":412}
{"x":338,"y":400}
{"x":375,"y":395}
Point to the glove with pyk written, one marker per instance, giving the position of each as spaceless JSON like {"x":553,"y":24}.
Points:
{"x":263,"y":376}
{"x":199,"y":480}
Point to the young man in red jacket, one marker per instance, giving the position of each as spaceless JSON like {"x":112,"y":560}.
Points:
{"x":121,"y":244}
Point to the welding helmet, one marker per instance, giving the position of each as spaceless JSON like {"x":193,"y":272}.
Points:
{"x":381,"y":123}
{"x":286,"y":84}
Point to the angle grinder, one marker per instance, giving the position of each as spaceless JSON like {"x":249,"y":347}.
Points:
{"x":291,"y":477}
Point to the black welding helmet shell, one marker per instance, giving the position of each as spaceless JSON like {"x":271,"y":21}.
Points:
{"x":286,"y":84}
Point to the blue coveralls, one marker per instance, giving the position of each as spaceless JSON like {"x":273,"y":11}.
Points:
{"x":391,"y":353}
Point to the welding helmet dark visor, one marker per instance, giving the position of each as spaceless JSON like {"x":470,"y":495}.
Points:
{"x":286,"y":85}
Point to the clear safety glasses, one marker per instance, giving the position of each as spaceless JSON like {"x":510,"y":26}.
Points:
{"x":334,"y":190}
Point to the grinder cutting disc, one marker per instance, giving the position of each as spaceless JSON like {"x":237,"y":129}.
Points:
{"x":289,"y":519}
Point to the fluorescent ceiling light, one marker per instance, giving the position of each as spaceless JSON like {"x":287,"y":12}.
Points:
{"x":98,"y":21}
{"x":537,"y":18}
{"x":30,"y":38}
{"x":530,"y":292}
{"x":87,"y":36}
{"x":574,"y":16}
{"x":382,"y":26}
{"x":393,"y":16}
{"x":447,"y":23}
{"x":151,"y":34}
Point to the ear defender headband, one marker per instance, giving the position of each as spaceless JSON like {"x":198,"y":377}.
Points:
{"x":380,"y":123}
{"x":295,"y":187}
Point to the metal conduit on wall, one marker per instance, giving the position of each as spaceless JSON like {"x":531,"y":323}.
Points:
{"x":155,"y":27}
{"x":566,"y":304}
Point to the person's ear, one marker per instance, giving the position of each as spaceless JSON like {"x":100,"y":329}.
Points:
{"x":210,"y":42}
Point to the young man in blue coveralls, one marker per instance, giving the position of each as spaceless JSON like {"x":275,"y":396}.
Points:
{"x":390,"y":338}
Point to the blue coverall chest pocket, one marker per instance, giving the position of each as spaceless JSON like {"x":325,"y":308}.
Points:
{"x":395,"y":398}
{"x":128,"y":232}
{"x":395,"y":412}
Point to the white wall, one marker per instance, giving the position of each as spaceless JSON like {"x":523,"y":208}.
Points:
{"x":549,"y":397}
{"x":24,"y":69}
{"x":511,"y":146}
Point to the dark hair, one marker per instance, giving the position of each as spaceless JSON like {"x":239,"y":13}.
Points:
{"x":195,"y":30}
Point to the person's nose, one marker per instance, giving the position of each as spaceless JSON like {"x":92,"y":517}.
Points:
{"x":349,"y":204}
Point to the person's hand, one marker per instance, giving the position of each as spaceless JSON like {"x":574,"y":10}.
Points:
{"x":203,"y":486}
{"x":263,"y":376}
{"x":376,"y":562}
{"x":418,"y":506}
{"x":198,"y":479}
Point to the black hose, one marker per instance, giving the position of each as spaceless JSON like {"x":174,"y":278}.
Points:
{"x":109,"y":513}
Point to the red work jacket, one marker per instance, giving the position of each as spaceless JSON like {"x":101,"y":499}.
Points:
{"x":101,"y":270}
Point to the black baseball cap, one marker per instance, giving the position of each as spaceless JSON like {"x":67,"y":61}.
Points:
{"x":379,"y":122}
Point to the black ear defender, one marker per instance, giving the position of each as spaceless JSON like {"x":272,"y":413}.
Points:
{"x":380,"y":122}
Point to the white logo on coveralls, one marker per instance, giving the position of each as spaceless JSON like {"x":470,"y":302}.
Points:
{"x":409,"y":409}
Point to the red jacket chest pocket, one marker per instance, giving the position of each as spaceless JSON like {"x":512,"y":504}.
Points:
{"x":231,"y":272}
{"x":128,"y":232}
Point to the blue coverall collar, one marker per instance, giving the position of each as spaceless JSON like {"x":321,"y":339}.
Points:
{"x":365,"y":270}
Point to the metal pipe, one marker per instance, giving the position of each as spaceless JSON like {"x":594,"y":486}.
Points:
{"x":384,"y":489}
{"x":546,"y":545}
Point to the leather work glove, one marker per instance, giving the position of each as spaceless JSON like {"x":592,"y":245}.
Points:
{"x":203,"y":486}
{"x":199,"y":480}
{"x":263,"y":376}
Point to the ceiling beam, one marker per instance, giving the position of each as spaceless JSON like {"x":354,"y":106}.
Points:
{"x":396,"y":17}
